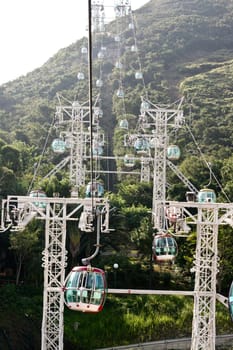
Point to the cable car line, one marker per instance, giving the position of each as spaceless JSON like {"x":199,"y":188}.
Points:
{"x":207,"y":164}
{"x":40,"y":158}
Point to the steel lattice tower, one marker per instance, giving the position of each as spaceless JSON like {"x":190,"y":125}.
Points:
{"x":54,"y":262}
{"x":206,"y":268}
{"x":158,"y":120}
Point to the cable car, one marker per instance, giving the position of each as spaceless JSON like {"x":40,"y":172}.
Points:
{"x":134,"y":48}
{"x":84,"y":50}
{"x":85,"y":289}
{"x":117,"y":38}
{"x":141,"y":145}
{"x":164,"y":248}
{"x":206,"y":195}
{"x":99,"y":83}
{"x":58,"y":146}
{"x":173,"y":152}
{"x":120,"y":93}
{"x":95,"y":189}
{"x":124,"y":124}
{"x":100,"y":55}
{"x":144,"y":107}
{"x":230,"y":301}
{"x":38,"y":194}
{"x":131,"y":26}
{"x":80,"y":76}
{"x":129,"y":161}
{"x":138,"y":75}
{"x":97,"y":149}
{"x":118,"y":65}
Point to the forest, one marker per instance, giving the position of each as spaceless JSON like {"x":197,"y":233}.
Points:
{"x":185,"y":50}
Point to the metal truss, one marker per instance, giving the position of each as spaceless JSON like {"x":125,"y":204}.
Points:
{"x":207,"y":218}
{"x":98,"y":16}
{"x":17,"y":212}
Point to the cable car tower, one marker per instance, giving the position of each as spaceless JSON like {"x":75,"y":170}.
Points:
{"x":73,"y":121}
{"x":98,"y":16}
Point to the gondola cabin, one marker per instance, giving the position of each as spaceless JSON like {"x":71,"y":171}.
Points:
{"x":80,"y":76}
{"x":230,"y":300}
{"x":94,"y":189}
{"x":84,"y":50}
{"x":131,"y":26}
{"x":206,"y":195}
{"x":117,"y":38}
{"x":123,"y":124}
{"x":100,"y":55}
{"x":120,"y":93}
{"x":118,"y":65}
{"x":141,"y":145}
{"x":129,"y":161}
{"x":173,"y":152}
{"x":138,"y":75}
{"x":144,"y":107}
{"x":38,"y":194}
{"x":58,"y":146}
{"x":85,"y":289}
{"x":99,"y":83}
{"x":164,"y":248}
{"x":134,"y":48}
{"x":97,"y":149}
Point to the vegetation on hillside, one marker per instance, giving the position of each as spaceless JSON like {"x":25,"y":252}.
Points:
{"x":185,"y":49}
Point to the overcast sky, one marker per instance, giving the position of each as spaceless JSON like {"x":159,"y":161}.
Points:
{"x":32,"y":31}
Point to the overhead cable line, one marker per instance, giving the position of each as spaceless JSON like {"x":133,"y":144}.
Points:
{"x":212,"y":175}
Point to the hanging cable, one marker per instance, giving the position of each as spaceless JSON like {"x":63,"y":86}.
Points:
{"x":212,"y":175}
{"x":90,"y":96}
{"x":140,"y":73}
{"x":40,"y":159}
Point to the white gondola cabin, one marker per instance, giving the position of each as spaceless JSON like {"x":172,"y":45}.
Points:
{"x":144,"y":107}
{"x":123,"y":124}
{"x":94,"y":189}
{"x":99,"y":83}
{"x":97,"y":148}
{"x":120,"y":93}
{"x":141,"y":145}
{"x":80,"y":76}
{"x":85,"y":289}
{"x":164,"y":248}
{"x":138,"y":75}
{"x":38,"y":194}
{"x":58,"y":146}
{"x":129,"y":161}
{"x":206,"y":195}
{"x":84,"y":50}
{"x":118,"y":65}
{"x":173,"y":152}
{"x":134,"y":48}
{"x":100,"y":55}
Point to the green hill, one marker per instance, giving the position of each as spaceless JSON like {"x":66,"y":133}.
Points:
{"x":185,"y":48}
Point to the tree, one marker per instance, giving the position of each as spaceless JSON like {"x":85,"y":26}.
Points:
{"x":11,"y":157}
{"x":23,"y":244}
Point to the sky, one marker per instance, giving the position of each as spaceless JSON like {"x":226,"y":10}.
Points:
{"x":32,"y":31}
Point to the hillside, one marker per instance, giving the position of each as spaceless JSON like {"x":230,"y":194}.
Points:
{"x":176,"y":39}
{"x":185,"y":49}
